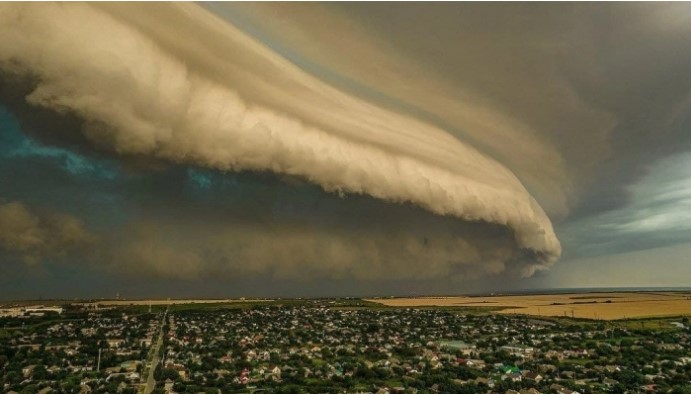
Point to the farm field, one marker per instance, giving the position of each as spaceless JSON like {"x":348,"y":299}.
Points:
{"x":604,"y":306}
{"x":177,"y":301}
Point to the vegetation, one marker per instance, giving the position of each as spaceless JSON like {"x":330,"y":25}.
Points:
{"x":336,"y":346}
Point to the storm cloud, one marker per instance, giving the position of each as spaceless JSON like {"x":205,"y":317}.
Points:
{"x":138,"y":97}
{"x":340,"y":141}
{"x":33,"y":237}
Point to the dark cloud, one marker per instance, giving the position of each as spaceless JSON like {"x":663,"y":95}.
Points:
{"x":254,"y":223}
{"x":186,"y":222}
{"x":373,"y":147}
{"x":378,"y":194}
{"x":34,"y":238}
{"x":577,"y":99}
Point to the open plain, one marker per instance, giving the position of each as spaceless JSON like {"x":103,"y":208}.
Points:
{"x":603,"y":306}
{"x":173,"y":301}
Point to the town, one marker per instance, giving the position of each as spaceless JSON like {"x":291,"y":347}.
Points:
{"x":334,"y":346}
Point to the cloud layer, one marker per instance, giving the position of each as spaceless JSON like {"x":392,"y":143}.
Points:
{"x":34,"y":238}
{"x":175,"y":83}
{"x":374,"y":147}
{"x":578,"y":100}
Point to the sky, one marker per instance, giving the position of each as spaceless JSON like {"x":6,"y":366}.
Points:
{"x":342,"y":149}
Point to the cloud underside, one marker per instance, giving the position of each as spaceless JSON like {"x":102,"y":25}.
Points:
{"x":216,"y":99}
{"x":309,"y":252}
{"x":34,"y":238}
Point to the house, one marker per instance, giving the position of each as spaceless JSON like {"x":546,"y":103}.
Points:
{"x":513,"y":376}
{"x":115,"y":342}
{"x":276,"y":373}
{"x":518,"y":350}
{"x":478,"y":364}
{"x":168,"y":386}
{"x":28,"y":370}
{"x":562,"y":390}
{"x":463,"y":347}
{"x":532,"y":376}
{"x":54,"y":369}
{"x":531,"y":390}
{"x":509,"y":369}
{"x":487,"y":382}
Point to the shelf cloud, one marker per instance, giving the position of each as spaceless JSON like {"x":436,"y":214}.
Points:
{"x":177,"y":84}
{"x":439,"y":145}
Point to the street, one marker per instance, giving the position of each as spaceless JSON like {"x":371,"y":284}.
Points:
{"x":150,"y":381}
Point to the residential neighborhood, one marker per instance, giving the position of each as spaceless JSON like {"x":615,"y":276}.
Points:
{"x":327,"y":346}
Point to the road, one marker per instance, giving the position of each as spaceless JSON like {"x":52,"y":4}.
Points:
{"x":155,"y":359}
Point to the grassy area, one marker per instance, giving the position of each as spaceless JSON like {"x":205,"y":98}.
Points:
{"x":393,"y":383}
{"x":658,"y":324}
{"x":335,"y":304}
{"x":318,"y":362}
{"x":155,"y":309}
{"x":24,"y":303}
{"x":7,"y":333}
{"x":33,"y":326}
{"x":575,"y":361}
{"x":207,"y":306}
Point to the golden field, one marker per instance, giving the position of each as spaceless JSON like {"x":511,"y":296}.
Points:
{"x":604,"y":306}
